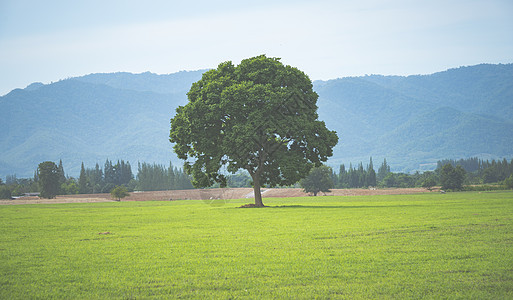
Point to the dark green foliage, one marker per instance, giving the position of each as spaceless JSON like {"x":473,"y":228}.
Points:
{"x":99,"y":181}
{"x":91,"y":180}
{"x":49,"y":175}
{"x":356,"y":178}
{"x":508,"y":182}
{"x":318,"y":180}
{"x":451,"y":178}
{"x":119,"y":192}
{"x":370,"y":178}
{"x":18,"y":187}
{"x":70,"y":186}
{"x":61,"y":174}
{"x":429,"y":183}
{"x":399,"y":180}
{"x":150,"y":177}
{"x":155,"y":177}
{"x":383,"y":170}
{"x":118,"y":174}
{"x":481,"y":171}
{"x":470,"y":165}
{"x":5,"y":192}
{"x":108,"y":187}
{"x":94,"y":179}
{"x":476,"y":172}
{"x":83,"y":187}
{"x":260,"y":116}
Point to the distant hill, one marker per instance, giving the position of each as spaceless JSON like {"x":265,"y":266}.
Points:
{"x":412,"y":121}
{"x":416,"y":120}
{"x":90,"y":119}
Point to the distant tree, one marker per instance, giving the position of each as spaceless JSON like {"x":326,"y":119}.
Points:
{"x":118,"y":174}
{"x":490,"y":175}
{"x":342,"y":177}
{"x":155,"y":177}
{"x":123,"y":172}
{"x":5,"y":192}
{"x":108,"y":187}
{"x":451,"y":178}
{"x":371,"y":174}
{"x":60,"y":171}
{"x":48,"y":174}
{"x":119,"y":192}
{"x":390,"y":180}
{"x":260,"y":116}
{"x":318,"y":180}
{"x":429,"y":183}
{"x":82,"y":181}
{"x":95,"y":178}
{"x":383,"y":170}
{"x":70,"y":187}
{"x":171,"y":176}
{"x":508,"y":182}
{"x":362,"y":176}
{"x":109,"y":173}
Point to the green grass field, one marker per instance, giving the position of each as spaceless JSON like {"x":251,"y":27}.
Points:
{"x":456,"y":245}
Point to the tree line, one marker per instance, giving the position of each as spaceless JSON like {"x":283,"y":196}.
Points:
{"x":470,"y":171}
{"x":480,"y":171}
{"x":50,"y":179}
{"x":449,"y":174}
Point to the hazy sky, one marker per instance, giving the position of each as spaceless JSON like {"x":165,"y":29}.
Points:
{"x":51,"y":40}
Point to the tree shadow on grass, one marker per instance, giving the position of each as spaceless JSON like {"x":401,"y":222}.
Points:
{"x":341,"y":206}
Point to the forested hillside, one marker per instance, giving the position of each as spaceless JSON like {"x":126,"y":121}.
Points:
{"x":411,"y":121}
{"x":82,"y":119}
{"x":414,"y":121}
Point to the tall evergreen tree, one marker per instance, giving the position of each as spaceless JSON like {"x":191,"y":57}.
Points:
{"x":82,"y":181}
{"x":171,"y":176}
{"x":62,"y":175}
{"x":342,"y":177}
{"x":383,"y":170}
{"x":48,"y":174}
{"x":362,"y":178}
{"x":109,"y":172}
{"x":371,"y":174}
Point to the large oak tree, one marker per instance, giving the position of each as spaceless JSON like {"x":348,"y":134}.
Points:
{"x":260,"y":116}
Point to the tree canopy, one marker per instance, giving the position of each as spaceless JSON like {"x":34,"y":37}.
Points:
{"x":119,"y":192}
{"x":452,"y":177}
{"x":260,"y":116}
{"x":318,"y":180}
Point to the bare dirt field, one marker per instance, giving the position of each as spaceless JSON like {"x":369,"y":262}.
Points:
{"x":207,"y":194}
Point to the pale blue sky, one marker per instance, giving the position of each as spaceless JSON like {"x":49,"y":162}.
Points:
{"x":51,"y":40}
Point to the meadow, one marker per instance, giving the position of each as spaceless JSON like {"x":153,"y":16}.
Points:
{"x":450,"y":246}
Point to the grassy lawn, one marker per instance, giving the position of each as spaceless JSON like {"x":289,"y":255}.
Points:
{"x":456,"y":245}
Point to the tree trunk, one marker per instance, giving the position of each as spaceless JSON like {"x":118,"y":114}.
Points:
{"x":256,"y":191}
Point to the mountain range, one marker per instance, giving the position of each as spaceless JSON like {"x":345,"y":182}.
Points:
{"x":412,"y":121}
